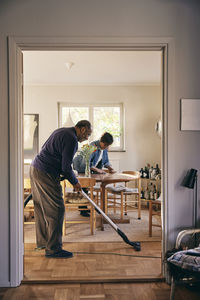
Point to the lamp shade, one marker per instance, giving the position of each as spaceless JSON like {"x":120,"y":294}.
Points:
{"x":189,"y":179}
{"x":69,"y":122}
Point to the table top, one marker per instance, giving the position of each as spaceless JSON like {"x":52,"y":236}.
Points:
{"x":103,"y":178}
{"x":111,"y":178}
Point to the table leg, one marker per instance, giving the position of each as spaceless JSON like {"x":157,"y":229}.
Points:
{"x":102,"y":203}
{"x":150,"y":218}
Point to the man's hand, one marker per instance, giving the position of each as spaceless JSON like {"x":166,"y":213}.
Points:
{"x":77,"y":187}
{"x":111,"y":170}
{"x":97,"y":170}
{"x":100,"y":171}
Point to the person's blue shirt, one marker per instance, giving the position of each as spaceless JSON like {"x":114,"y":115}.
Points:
{"x":95,"y":156}
{"x":79,"y":161}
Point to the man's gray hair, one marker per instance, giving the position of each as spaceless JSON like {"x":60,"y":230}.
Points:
{"x":83,"y":123}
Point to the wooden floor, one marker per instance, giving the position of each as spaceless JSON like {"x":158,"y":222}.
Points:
{"x":135,"y":230}
{"x":95,"y":272}
{"x":95,"y":262}
{"x":107,"y":291}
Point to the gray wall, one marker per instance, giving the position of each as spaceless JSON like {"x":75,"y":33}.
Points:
{"x":178,"y":19}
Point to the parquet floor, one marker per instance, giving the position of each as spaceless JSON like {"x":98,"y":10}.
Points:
{"x":95,"y":262}
{"x":106,"y":291}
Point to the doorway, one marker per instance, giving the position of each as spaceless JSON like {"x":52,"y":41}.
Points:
{"x":92,"y":85}
{"x":163,"y":168}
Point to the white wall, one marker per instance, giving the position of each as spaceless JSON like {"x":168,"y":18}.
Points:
{"x":142,"y":105}
{"x":178,"y":20}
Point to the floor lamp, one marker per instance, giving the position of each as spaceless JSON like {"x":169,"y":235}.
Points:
{"x":190,"y":181}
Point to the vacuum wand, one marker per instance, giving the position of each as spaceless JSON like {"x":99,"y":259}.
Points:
{"x":135,"y":245}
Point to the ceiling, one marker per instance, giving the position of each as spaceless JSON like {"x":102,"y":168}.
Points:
{"x":92,"y":67}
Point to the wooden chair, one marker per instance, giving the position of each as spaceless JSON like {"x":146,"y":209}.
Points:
{"x":152,"y":213}
{"x":75,"y":201}
{"x":125,"y":198}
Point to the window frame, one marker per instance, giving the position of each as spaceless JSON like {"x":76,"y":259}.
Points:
{"x":90,"y":107}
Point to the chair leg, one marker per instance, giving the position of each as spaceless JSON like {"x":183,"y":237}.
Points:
{"x":139,"y":207}
{"x":64,"y":227}
{"x":150,"y":218}
{"x":92,"y":220}
{"x":125,"y":205}
{"x":173,"y":287}
{"x":122,"y":206}
{"x":114,"y":203}
{"x":106,"y":202}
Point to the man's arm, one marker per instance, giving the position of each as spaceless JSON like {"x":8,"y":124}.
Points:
{"x":107,"y":162}
{"x":69,"y":149}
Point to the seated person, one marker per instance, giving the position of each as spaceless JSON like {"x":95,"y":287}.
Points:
{"x":98,"y":159}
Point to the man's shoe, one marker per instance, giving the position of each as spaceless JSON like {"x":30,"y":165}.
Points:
{"x":60,"y":254}
{"x":84,"y":213}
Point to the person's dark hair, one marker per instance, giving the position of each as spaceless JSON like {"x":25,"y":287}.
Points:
{"x":107,"y":138}
{"x":83,"y":123}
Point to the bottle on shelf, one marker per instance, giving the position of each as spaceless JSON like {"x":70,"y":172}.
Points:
{"x":157,"y":169}
{"x":144,"y":174}
{"x":141,"y":173}
{"x":150,"y":172}
{"x":155,"y":196}
{"x":153,"y":173}
{"x":146,"y":170}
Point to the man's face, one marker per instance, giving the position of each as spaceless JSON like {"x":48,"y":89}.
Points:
{"x":84,"y":134}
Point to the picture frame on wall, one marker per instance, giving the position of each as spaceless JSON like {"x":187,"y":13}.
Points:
{"x":190,"y":114}
{"x":31,"y":136}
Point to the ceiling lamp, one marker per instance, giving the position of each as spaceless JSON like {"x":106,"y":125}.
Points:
{"x":69,"y":65}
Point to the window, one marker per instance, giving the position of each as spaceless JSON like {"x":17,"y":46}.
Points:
{"x":102,"y":117}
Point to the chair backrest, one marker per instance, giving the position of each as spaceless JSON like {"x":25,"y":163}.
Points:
{"x":136,"y":178}
{"x":84,"y":182}
{"x":87,"y":182}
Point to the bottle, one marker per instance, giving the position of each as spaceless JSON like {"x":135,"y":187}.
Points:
{"x":155,"y":193}
{"x":141,"y":173}
{"x":150,"y":172}
{"x":144,"y":174}
{"x":157,"y":169}
{"x":153,"y":173}
{"x":146,"y":169}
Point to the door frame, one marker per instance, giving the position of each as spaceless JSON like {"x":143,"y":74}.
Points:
{"x":15,"y":47}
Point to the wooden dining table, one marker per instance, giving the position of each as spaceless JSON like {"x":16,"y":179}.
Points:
{"x":104,"y":180}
